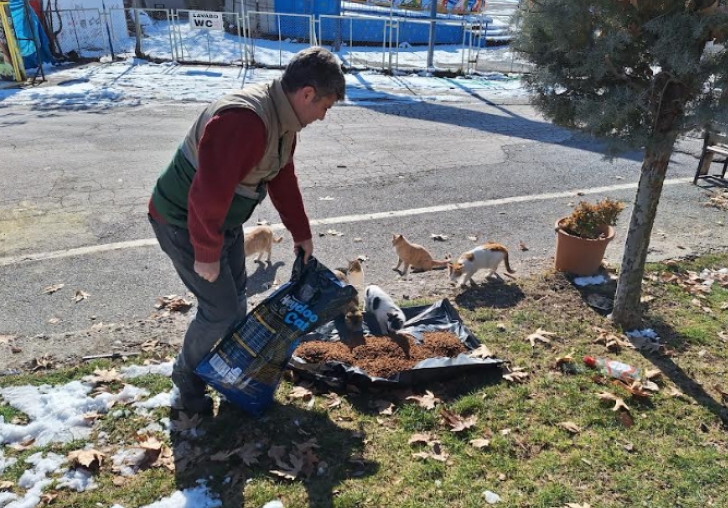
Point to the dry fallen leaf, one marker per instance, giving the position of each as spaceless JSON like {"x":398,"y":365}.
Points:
{"x":480,"y":443}
{"x":481,"y":351}
{"x":173,"y":303}
{"x":618,"y":401}
{"x":570,"y":426}
{"x":424,"y":438}
{"x":723,"y":394}
{"x":6,"y":485}
{"x":625,"y":418}
{"x":541,"y":336}
{"x":119,"y":481}
{"x":564,"y":360}
{"x":334,"y":400}
{"x":103,"y":376}
{"x":23,"y":445}
{"x":517,"y":375}
{"x":184,"y":422}
{"x":384,"y":407}
{"x":612,"y":341}
{"x":149,"y":345}
{"x":635,"y":388}
{"x":6,"y":339}
{"x":437,"y":453}
{"x":48,"y":497}
{"x":653,"y":374}
{"x":80,"y":295}
{"x":249,"y":453}
{"x":427,"y":401}
{"x":456,"y":422}
{"x":300,"y":392}
{"x":577,"y":505}
{"x":522,"y":246}
{"x":88,"y":459}
{"x":44,"y":362}
{"x":650,"y":385}
{"x":52,"y":289}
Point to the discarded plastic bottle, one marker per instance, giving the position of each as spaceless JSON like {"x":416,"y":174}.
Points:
{"x":615,"y":369}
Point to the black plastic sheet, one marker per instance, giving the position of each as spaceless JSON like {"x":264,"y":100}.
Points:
{"x":441,"y":316}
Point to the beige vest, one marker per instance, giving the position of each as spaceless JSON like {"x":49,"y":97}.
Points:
{"x":271,"y":104}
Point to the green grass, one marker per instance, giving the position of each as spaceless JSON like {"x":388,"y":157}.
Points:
{"x":674,"y":454}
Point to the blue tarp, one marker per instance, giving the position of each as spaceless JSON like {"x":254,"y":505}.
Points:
{"x":28,"y":30}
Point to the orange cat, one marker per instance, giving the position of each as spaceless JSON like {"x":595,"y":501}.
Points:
{"x":260,"y":240}
{"x":354,"y":273}
{"x":414,"y":255}
{"x":483,"y":257}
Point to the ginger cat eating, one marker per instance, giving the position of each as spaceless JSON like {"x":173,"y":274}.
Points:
{"x":259,"y":240}
{"x":414,"y":255}
{"x":483,"y":257}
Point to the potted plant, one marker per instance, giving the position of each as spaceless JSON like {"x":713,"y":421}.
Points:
{"x":583,"y":236}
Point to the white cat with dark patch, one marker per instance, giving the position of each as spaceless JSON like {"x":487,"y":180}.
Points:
{"x":483,"y":257}
{"x":389,"y":316}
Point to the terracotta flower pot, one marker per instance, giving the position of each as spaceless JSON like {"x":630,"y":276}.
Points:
{"x":580,"y":256}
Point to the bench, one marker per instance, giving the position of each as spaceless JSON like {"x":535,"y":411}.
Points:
{"x":713,"y":144}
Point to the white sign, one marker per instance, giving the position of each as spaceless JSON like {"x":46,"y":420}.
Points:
{"x":205,"y":20}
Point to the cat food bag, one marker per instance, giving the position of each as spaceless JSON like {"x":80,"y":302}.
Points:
{"x":247,"y":363}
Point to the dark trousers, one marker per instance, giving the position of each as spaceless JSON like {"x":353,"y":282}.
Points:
{"x":219,"y":303}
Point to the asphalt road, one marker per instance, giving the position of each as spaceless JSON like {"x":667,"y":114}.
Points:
{"x":74,"y":179}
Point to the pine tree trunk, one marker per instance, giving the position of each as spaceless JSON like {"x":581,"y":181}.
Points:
{"x":627,"y":306}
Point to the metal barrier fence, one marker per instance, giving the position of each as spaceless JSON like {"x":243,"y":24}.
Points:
{"x":270,"y":39}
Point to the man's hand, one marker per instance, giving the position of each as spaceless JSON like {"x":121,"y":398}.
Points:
{"x":208,"y":271}
{"x":306,"y":246}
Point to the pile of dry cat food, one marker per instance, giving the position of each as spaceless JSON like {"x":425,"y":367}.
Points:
{"x":383,"y":356}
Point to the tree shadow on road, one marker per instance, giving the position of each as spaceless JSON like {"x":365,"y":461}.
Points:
{"x":501,"y":121}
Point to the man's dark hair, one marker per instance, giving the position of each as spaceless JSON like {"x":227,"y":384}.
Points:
{"x":316,"y":67}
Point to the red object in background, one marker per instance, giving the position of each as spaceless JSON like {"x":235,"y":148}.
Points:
{"x":35,"y":5}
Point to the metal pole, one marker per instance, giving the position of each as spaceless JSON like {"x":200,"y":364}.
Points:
{"x":431,"y":45}
{"x":137,"y":31}
{"x":108,"y":32}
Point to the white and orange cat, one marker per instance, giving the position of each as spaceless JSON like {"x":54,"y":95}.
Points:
{"x":414,"y":255}
{"x":483,"y":257}
{"x":259,"y":240}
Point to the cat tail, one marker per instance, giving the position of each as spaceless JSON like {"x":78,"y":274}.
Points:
{"x":505,"y":262}
{"x":436,"y":263}
{"x":278,"y":240}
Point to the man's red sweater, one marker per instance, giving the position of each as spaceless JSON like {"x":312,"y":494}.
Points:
{"x":233,"y":142}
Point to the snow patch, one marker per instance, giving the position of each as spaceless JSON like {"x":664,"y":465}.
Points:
{"x":199,"y":497}
{"x":56,"y":412}
{"x":133,"y":371}
{"x":79,"y":480}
